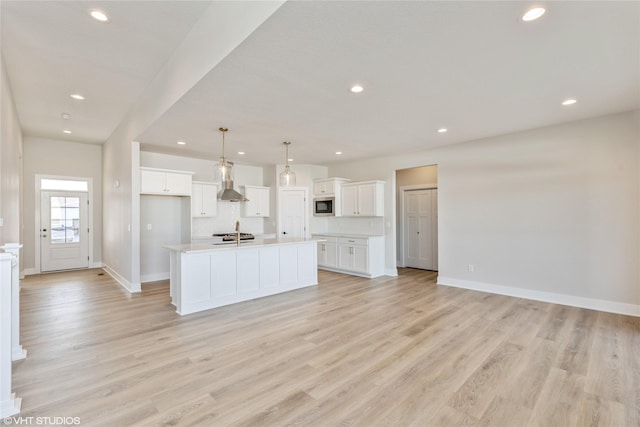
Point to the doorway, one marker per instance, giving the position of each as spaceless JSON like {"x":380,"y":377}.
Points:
{"x":417,"y":217}
{"x":63,"y":224}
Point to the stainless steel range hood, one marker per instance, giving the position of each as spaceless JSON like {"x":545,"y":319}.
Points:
{"x":227,"y":192}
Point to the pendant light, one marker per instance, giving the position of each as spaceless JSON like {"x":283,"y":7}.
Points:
{"x":224,"y":174}
{"x":287,"y":177}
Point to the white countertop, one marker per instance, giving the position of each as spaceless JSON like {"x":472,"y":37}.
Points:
{"x":346,"y":235}
{"x":212,"y":247}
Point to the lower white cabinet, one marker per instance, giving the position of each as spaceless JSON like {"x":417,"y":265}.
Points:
{"x":360,"y":256}
{"x":353,"y":254}
{"x":204,"y":279}
{"x":328,"y":252}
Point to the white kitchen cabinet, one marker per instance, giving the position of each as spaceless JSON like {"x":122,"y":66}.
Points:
{"x":357,"y":255}
{"x":165,"y":182}
{"x":353,"y":254}
{"x":363,"y":199}
{"x":247,"y":275}
{"x":223,"y":274}
{"x":328,"y":186}
{"x":258,"y":204}
{"x":328,"y":252}
{"x":204,"y":200}
{"x":209,"y":276}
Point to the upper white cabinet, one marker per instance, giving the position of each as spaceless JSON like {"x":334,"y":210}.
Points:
{"x":204,"y":200}
{"x":165,"y":182}
{"x":363,"y":199}
{"x":258,"y":204}
{"x":328,"y":186}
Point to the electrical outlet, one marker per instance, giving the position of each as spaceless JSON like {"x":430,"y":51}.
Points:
{"x":149,"y":227}
{"x":470,"y":268}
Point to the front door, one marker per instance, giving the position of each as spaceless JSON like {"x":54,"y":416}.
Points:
{"x":64,"y":231}
{"x":293,"y":213}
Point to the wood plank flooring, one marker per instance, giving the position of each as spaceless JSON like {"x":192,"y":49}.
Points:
{"x":351,"y":351}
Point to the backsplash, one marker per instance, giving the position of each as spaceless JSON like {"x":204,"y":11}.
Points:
{"x":372,"y":226}
{"x":225,"y":222}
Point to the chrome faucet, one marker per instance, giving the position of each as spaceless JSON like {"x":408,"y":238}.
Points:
{"x":237,"y":233}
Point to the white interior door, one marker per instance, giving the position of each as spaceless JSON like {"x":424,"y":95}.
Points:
{"x":64,"y":230}
{"x":421,"y":229}
{"x":293,"y":212}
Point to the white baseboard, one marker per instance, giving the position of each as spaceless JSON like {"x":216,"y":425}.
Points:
{"x":551,"y":297}
{"x":154,"y":277}
{"x":393,"y":272}
{"x":31,"y":271}
{"x":131,"y":287}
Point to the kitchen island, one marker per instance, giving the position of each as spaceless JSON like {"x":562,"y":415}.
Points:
{"x":206,"y":275}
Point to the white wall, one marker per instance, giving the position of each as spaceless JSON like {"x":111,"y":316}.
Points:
{"x":549,"y":212}
{"x":60,"y":158}
{"x":162,"y":223}
{"x":11,"y":147}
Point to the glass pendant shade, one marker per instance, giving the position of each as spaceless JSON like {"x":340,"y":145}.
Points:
{"x":223,"y":172}
{"x":287,"y":177}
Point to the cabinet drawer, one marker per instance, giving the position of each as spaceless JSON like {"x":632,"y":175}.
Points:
{"x":353,"y":241}
{"x":328,"y":239}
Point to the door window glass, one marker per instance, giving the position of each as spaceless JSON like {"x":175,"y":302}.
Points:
{"x":65,"y":220}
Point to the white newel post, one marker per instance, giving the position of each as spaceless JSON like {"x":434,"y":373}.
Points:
{"x":9,"y":404}
{"x":17,"y":352}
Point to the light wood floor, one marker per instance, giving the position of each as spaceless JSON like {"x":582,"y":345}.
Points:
{"x":351,"y":351}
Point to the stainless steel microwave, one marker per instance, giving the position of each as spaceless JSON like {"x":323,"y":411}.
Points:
{"x":324,"y":206}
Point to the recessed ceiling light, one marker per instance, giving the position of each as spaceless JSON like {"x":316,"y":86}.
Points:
{"x":569,"y":102}
{"x":291,"y":160}
{"x":241,"y":153}
{"x":338,"y":152}
{"x":99,"y":15}
{"x":181,"y":143}
{"x":356,"y":89}
{"x":77,"y":96}
{"x":442,"y":130}
{"x":65,"y":116}
{"x":66,"y":131}
{"x":533,"y":14}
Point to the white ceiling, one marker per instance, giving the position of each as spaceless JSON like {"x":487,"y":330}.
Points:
{"x":472,"y":67}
